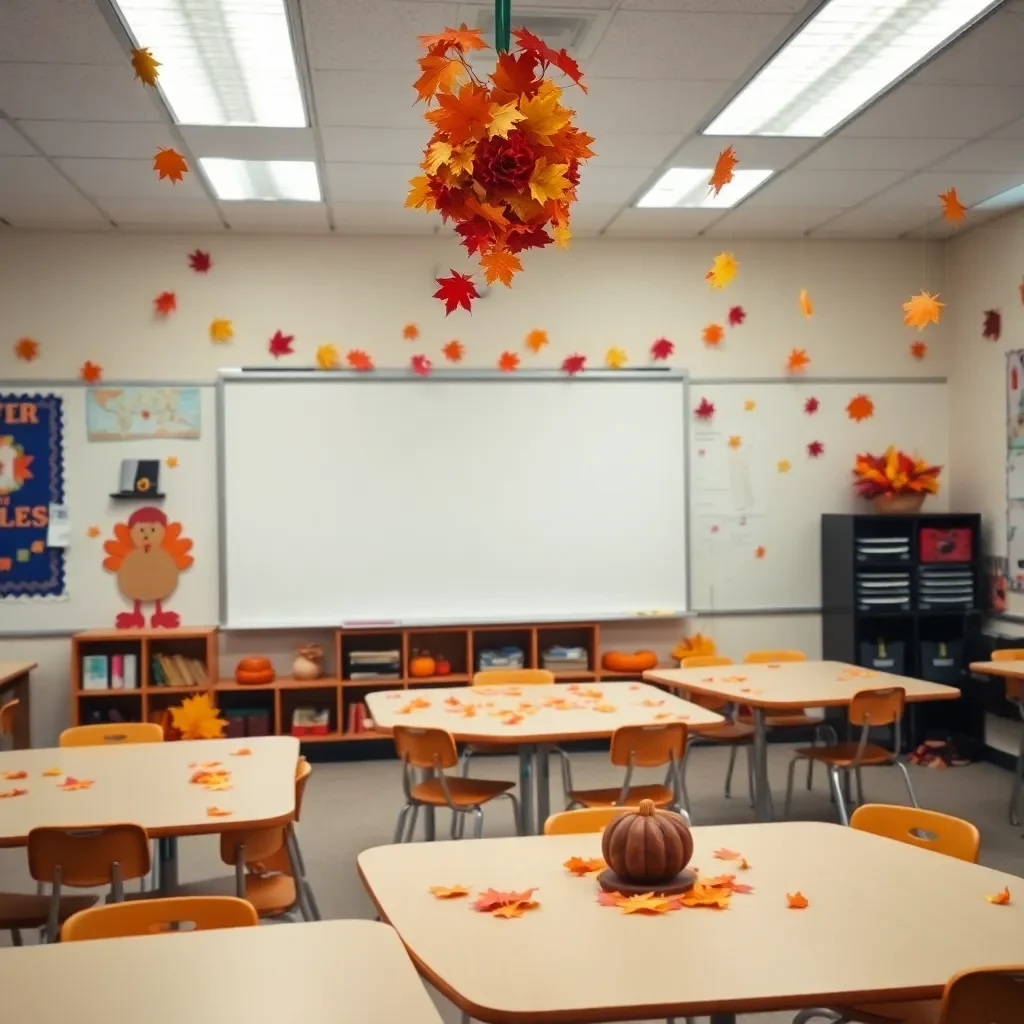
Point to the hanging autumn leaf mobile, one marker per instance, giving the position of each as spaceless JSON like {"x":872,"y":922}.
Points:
{"x":722,"y":174}
{"x":504,"y":160}
{"x":952,"y":209}
{"x":921,"y":310}
{"x":145,"y":65}
{"x":992,"y":326}
{"x":169,"y":163}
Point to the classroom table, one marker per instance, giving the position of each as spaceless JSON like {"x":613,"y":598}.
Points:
{"x":1007,"y":670}
{"x":148,"y":783}
{"x":14,"y":684}
{"x":608,"y":706}
{"x":885,"y":921}
{"x":319,"y":973}
{"x":789,"y":686}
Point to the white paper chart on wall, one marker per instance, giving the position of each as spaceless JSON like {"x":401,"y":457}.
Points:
{"x":770,"y":460}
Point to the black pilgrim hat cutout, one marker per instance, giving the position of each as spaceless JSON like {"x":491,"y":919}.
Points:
{"x":140,"y":480}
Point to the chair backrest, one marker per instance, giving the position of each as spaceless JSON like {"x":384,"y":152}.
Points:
{"x":1014,"y":687}
{"x":151,"y":917}
{"x":986,"y":995}
{"x":251,"y":845}
{"x":110,"y":734}
{"x":1008,"y":654}
{"x":303,"y":770}
{"x":648,"y":746}
{"x":766,"y":657}
{"x":706,"y":661}
{"x":514,"y":677}
{"x":883,"y":706}
{"x":941,"y":833}
{"x":84,"y":856}
{"x":7,"y":717}
{"x":586,"y":819}
{"x":425,"y":748}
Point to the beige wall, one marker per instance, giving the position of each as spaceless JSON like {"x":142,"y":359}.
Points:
{"x":90,"y":297}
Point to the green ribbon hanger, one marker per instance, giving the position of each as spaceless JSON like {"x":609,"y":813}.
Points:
{"x":502,"y":25}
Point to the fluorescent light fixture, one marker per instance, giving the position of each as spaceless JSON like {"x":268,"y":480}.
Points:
{"x":844,"y":56}
{"x":222,"y":62}
{"x":269,"y":180}
{"x":1006,"y":200}
{"x":687,"y":187}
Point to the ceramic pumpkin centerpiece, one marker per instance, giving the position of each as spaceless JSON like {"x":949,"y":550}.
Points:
{"x":647,"y":850}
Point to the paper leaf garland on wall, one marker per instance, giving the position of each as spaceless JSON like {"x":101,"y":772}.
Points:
{"x":662,"y":349}
{"x":145,"y":65}
{"x":918,"y":349}
{"x":712,"y":335}
{"x":508,"y":362}
{"x":860,"y":407}
{"x":705,"y":409}
{"x":722,"y":271}
{"x":992,"y":325}
{"x":453,"y":351}
{"x":357,"y":359}
{"x":221,"y":331}
{"x":200,"y":261}
{"x":503,"y":162}
{"x":737,"y":314}
{"x":164,"y":303}
{"x":410,"y":332}
{"x":797,"y":360}
{"x":921,"y":310}
{"x":749,"y":405}
{"x":26,"y":349}
{"x":735,"y":441}
{"x":759,"y":551}
{"x":457,"y":290}
{"x":722,"y":174}
{"x":815,"y":449}
{"x":952,"y":209}
{"x":574,"y":364}
{"x":806,"y":306}
{"x":327,"y":357}
{"x":147,"y":555}
{"x":811,"y":406}
{"x":536,"y":340}
{"x":90,"y":372}
{"x":421,"y":365}
{"x":169,"y":163}
{"x":280,"y":344}
{"x":615,"y":358}
{"x":783,"y":465}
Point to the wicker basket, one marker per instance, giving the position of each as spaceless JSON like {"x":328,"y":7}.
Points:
{"x":907,"y":502}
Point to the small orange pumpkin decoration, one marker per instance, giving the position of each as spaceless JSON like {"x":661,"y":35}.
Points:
{"x":621,"y":661}
{"x":647,"y":846}
{"x":422,"y":664}
{"x":253,"y":671}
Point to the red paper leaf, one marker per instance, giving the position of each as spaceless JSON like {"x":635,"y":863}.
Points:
{"x":574,"y":364}
{"x":453,"y":351}
{"x":517,"y":241}
{"x":477,"y":235}
{"x":280,"y":344}
{"x":508,"y":362}
{"x":992,"y":327}
{"x":90,"y":372}
{"x":815,"y":449}
{"x":457,"y":290}
{"x":559,"y":58}
{"x":722,"y":174}
{"x":421,"y":366}
{"x":737,"y":315}
{"x":705,"y":410}
{"x":489,"y":899}
{"x":516,"y":75}
{"x":918,"y":349}
{"x":165,"y":302}
{"x":200,"y":261}
{"x":169,"y":163}
{"x":359,"y":360}
{"x":662,"y":349}
{"x":811,"y":406}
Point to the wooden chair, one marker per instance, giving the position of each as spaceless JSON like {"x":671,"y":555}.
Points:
{"x":640,"y":746}
{"x":433,"y":750}
{"x":1014,"y":691}
{"x":151,"y":917}
{"x":928,"y":830}
{"x":7,"y":723}
{"x":580,"y":821}
{"x":78,"y":858}
{"x":868,"y":709}
{"x":111,"y":733}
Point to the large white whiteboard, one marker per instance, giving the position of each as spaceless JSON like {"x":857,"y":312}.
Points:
{"x":91,"y":473}
{"x":740,"y":500}
{"x":454,"y":499}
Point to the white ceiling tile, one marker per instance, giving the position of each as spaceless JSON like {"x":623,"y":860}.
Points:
{"x":137,"y":140}
{"x":604,"y":185}
{"x":71,"y":211}
{"x":938,"y":112}
{"x":621,"y":105}
{"x":129,"y":179}
{"x":57,"y":32}
{"x":617,"y":150}
{"x":371,"y":34}
{"x":369,"y":182}
{"x":752,"y":152}
{"x":822,"y":188}
{"x":162,"y":213}
{"x":871,"y":222}
{"x":371,"y":99}
{"x":922,"y":190}
{"x":31,"y":177}
{"x":74,"y":92}
{"x":250,"y":143}
{"x":989,"y":54}
{"x":771,"y":222}
{"x":854,"y":154}
{"x":382,"y":218}
{"x":278,"y":216}
{"x":706,"y":6}
{"x":587,"y":218}
{"x":987,"y":155}
{"x":633,"y":223}
{"x":1011,"y":131}
{"x":654,"y":44}
{"x":375,"y":145}
{"x":13,"y":144}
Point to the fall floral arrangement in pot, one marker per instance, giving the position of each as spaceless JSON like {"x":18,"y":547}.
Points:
{"x":895,"y":481}
{"x":504,"y":160}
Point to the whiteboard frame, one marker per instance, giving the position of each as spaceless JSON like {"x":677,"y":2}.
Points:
{"x":261,"y":375}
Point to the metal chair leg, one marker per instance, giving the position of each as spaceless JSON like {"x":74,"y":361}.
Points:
{"x":910,"y":786}
{"x":1018,"y":784}
{"x":860,"y":786}
{"x":517,"y":819}
{"x":837,"y":789}
{"x":400,"y":824}
{"x":789,"y":786}
{"x":818,"y":1013}
{"x":750,"y":772}
{"x":411,"y":830}
{"x":478,"y":827}
{"x":728,"y":773}
{"x":16,"y":936}
{"x":466,"y":1019}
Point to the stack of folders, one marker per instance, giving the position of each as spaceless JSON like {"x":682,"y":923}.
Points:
{"x":503,"y":657}
{"x":882,"y":549}
{"x":883,"y":591}
{"x":950,"y":586}
{"x":565,"y":659}
{"x":375,"y":665}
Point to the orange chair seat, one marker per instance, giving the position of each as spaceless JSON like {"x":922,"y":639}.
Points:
{"x":923,"y":1012}
{"x":661,"y":795}
{"x":271,"y":895}
{"x":733,"y":732}
{"x":26,"y":910}
{"x":844,"y":754}
{"x":464,"y":792}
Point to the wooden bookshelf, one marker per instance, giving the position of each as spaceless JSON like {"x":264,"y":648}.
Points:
{"x":336,"y":692}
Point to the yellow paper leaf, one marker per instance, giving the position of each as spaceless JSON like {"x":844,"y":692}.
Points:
{"x":615,"y":358}
{"x":646,"y":903}
{"x":584,"y":865}
{"x":327,"y":357}
{"x":723,"y":270}
{"x":548,"y":181}
{"x":419,"y":195}
{"x":542,"y":114}
{"x":221,"y":330}
{"x":562,"y":235}
{"x":503,"y":119}
{"x":145,"y":65}
{"x":51,"y":772}
{"x":735,"y":441}
{"x":438,"y":153}
{"x":449,"y":892}
{"x":999,"y":898}
{"x":462,"y":158}
{"x":784,"y":465}
{"x":197,"y":719}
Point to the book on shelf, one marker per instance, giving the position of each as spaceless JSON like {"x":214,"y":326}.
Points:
{"x":357,"y":720}
{"x":177,"y":670}
{"x":95,"y":672}
{"x":130,"y":671}
{"x":373,"y":657}
{"x":117,"y":671}
{"x":389,"y":674}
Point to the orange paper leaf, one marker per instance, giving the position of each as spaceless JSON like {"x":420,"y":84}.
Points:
{"x":500,"y":266}
{"x":169,"y":163}
{"x":536,"y":340}
{"x":703,"y":894}
{"x":759,"y":551}
{"x":584,"y":865}
{"x":165,"y":302}
{"x":722,"y":174}
{"x":453,"y":351}
{"x":999,"y":898}
{"x":440,"y":74}
{"x":26,"y":349}
{"x":952,"y":208}
{"x":449,"y":892}
{"x":217,"y":812}
{"x":797,"y":360}
{"x":724,"y":853}
{"x":860,"y":407}
{"x":90,"y":372}
{"x":918,"y":349}
{"x":744,"y":864}
{"x":359,"y":360}
{"x":7,"y":793}
{"x":514,"y":909}
{"x":71,"y":784}
{"x":712,"y":335}
{"x":646,"y":903}
{"x":145,"y":65}
{"x":796,"y":901}
{"x":93,"y":531}
{"x":462,"y":38}
{"x":491,"y":898}
{"x":921,"y":310}
{"x":508,"y":362}
{"x":15,"y":775}
{"x":806,"y":306}
{"x":242,"y":752}
{"x":410,"y":332}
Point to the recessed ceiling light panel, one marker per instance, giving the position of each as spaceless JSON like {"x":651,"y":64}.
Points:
{"x":687,"y":188}
{"x":268,"y":180}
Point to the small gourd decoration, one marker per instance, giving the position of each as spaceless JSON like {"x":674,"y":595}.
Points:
{"x":421,"y":664}
{"x":647,"y":849}
{"x":309,"y":662}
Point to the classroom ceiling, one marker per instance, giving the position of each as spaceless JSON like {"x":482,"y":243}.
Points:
{"x":77,"y":133}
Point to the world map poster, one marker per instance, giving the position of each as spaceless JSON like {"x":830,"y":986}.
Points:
{"x":142,"y":414}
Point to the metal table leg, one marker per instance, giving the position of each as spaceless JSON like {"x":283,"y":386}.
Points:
{"x":762,"y":787}
{"x":429,"y":817}
{"x":167,"y":852}
{"x":723,"y":1018}
{"x":543,"y":783}
{"x":526,"y":788}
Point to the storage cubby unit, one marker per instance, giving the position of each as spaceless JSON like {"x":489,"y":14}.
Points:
{"x":496,"y":647}
{"x":570,"y":651}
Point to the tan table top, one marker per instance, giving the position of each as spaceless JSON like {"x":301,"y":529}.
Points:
{"x":885,"y":920}
{"x":12,"y":669}
{"x":1006,"y":669}
{"x":321,"y":972}
{"x":623,"y":704}
{"x":795,"y":684}
{"x":148,"y":783}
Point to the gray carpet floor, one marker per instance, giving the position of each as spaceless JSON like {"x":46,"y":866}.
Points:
{"x":351,"y":806}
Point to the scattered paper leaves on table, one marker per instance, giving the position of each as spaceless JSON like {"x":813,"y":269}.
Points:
{"x":8,"y":793}
{"x":999,"y":898}
{"x":449,"y":892}
{"x":51,"y":772}
{"x":662,"y":349}
{"x":26,"y":349}
{"x":726,"y":854}
{"x":797,"y":901}
{"x":722,"y":173}
{"x":737,"y":314}
{"x":90,"y":372}
{"x":242,"y":752}
{"x":574,"y":364}
{"x":921,"y":310}
{"x":723,"y":270}
{"x":70,"y":784}
{"x":712,"y":335}
{"x":705,"y":409}
{"x":797,"y":361}
{"x":952,"y":209}
{"x":584,"y":865}
{"x":327,"y":357}
{"x":169,"y":163}
{"x":200,"y":261}
{"x":457,"y":290}
{"x":164,"y":303}
{"x":217,"y":812}
{"x":508,"y":362}
{"x":646,"y":903}
{"x":505,"y":904}
{"x":859,"y":408}
{"x":706,"y":894}
{"x":145,"y":65}
{"x":992,"y":325}
{"x":15,"y":775}
{"x":359,"y":360}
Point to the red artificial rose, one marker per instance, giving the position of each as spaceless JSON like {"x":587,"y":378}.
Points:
{"x":504,"y":163}
{"x":573,"y":173}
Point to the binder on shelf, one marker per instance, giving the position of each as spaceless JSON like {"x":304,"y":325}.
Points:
{"x":95,"y":668}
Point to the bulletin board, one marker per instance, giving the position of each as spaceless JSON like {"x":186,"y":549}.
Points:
{"x":91,"y":474}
